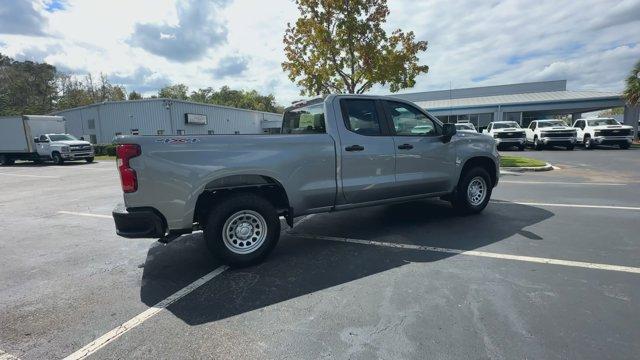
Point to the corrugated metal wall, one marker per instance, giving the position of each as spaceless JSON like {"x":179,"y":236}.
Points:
{"x":149,"y":116}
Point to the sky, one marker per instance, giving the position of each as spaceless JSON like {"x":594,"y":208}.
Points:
{"x":146,"y":44}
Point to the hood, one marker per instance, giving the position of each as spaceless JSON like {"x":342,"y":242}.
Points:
{"x":72,"y":142}
{"x":606,"y":127}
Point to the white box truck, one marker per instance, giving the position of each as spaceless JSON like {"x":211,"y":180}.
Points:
{"x":39,"y":138}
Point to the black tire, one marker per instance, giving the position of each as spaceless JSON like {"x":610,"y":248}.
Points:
{"x":461,"y":200}
{"x":6,"y":161}
{"x":233,"y":207}
{"x":537,"y":144}
{"x":89,"y":159}
{"x":57,"y":158}
{"x":570,"y":147}
{"x":625,"y":146}
{"x":521,"y":147}
{"x":588,"y":144}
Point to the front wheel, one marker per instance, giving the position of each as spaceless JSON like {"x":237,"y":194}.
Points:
{"x":89,"y":159}
{"x":588,"y":144}
{"x":242,"y":230}
{"x":537,"y":144}
{"x":57,"y":159}
{"x":625,"y":146}
{"x":6,"y":160}
{"x":521,"y":147}
{"x":570,"y":147}
{"x":473,"y":191}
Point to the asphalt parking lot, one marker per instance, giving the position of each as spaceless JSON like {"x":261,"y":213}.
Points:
{"x":551,"y":269}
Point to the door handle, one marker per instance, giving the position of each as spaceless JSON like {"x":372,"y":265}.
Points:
{"x":354,"y":148}
{"x":405,"y":147}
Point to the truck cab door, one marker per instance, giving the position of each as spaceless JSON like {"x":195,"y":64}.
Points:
{"x":367,"y":151}
{"x":424,"y":163}
{"x":43,"y":146}
{"x":579,"y":130}
{"x":530,"y":131}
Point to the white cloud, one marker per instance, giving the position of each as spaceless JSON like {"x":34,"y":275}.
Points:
{"x":592,"y":44}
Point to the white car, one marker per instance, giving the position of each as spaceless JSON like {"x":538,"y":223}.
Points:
{"x":468,"y":127}
{"x":592,"y":132}
{"x":550,"y":132}
{"x":506,"y":134}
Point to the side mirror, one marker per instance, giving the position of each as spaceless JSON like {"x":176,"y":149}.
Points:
{"x":448,"y":130}
{"x":81,"y":137}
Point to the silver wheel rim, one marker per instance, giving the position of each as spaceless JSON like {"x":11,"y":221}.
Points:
{"x":477,"y":191}
{"x":244,"y":232}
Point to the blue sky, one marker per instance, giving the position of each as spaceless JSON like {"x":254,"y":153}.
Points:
{"x":146,"y":44}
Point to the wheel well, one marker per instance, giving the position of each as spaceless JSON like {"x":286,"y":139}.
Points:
{"x":264,"y":186}
{"x":483,"y":162}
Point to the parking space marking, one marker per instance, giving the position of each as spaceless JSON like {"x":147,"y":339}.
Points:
{"x":612,"y":207}
{"x":85,"y":214}
{"x":32,"y":176}
{"x":5,"y":356}
{"x":539,"y":260}
{"x":559,"y":183}
{"x":112,"y":335}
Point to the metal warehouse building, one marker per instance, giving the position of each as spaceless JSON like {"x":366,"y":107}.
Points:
{"x":99,"y":123}
{"x":518,"y":102}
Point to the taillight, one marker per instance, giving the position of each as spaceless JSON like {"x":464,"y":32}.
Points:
{"x":128,"y":176}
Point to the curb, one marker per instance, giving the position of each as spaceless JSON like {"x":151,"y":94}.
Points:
{"x":547,"y":167}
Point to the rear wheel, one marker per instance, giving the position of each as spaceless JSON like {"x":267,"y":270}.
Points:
{"x":57,"y":158}
{"x":6,"y":161}
{"x":242,"y":229}
{"x":473,"y":191}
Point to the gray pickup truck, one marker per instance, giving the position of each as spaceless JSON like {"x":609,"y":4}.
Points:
{"x":336,"y":153}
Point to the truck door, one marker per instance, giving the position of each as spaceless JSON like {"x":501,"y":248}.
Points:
{"x":579,"y":126}
{"x":44,"y":146}
{"x":424,"y":164}
{"x":367,"y":149}
{"x":530,"y":131}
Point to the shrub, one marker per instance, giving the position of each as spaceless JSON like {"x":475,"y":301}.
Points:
{"x":108,"y":149}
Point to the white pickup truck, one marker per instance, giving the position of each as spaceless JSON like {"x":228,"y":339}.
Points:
{"x":592,"y":132}
{"x":39,"y":138}
{"x":506,"y":134}
{"x":550,"y":132}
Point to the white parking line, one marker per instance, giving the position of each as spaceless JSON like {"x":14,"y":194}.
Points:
{"x":107,"y":338}
{"x":32,"y":176}
{"x":5,"y":356}
{"x":560,"y":183}
{"x":569,"y":205}
{"x":532,"y":259}
{"x":85,"y":214}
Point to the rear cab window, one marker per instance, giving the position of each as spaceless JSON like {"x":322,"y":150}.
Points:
{"x":304,"y":120}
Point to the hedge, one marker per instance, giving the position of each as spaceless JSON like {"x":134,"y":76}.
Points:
{"x":109,"y":149}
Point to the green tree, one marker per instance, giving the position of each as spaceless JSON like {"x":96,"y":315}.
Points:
{"x":340,"y":46}
{"x":241,"y":99}
{"x":133,"y":95}
{"x":632,"y":89}
{"x":26,"y":87}
{"x":177,"y":91}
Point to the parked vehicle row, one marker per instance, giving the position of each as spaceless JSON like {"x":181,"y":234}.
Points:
{"x":40,"y":138}
{"x":541,"y":134}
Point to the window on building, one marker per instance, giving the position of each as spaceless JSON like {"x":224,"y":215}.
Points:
{"x":93,"y":139}
{"x":160,"y":132}
{"x":237,"y":132}
{"x":135,"y":132}
{"x":211,"y":132}
{"x":180,"y":132}
{"x":91,"y":124}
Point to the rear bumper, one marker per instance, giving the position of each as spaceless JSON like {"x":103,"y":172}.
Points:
{"x":138,"y":222}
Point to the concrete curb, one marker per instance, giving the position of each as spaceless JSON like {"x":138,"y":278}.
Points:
{"x":547,"y":167}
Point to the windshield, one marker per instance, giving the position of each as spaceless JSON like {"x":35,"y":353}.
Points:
{"x":61,"y":137}
{"x":599,"y":122}
{"x":464,"y":127}
{"x":544,"y":124}
{"x":304,"y":120}
{"x":504,"y":125}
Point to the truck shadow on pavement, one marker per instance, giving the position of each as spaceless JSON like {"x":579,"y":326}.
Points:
{"x":300,"y":266}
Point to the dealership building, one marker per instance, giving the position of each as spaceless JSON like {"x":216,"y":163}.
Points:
{"x":518,"y":102}
{"x":100,"y":123}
